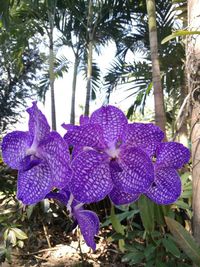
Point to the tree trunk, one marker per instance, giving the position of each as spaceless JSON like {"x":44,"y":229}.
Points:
{"x":73,"y":99}
{"x":183,"y":130}
{"x":193,"y":69}
{"x":51,"y":66}
{"x":160,"y":118}
{"x":89,"y":60}
{"x":52,"y":80}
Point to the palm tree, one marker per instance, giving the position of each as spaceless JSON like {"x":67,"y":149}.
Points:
{"x":67,"y":19}
{"x":160,"y":118}
{"x":90,"y":33}
{"x":43,"y":15}
{"x":137,"y":74}
{"x":86,"y":26}
{"x":105,"y":20}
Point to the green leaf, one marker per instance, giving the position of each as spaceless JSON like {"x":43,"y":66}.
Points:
{"x":12,"y":237}
{"x":184,"y":240}
{"x":161,"y":264}
{"x":181,"y":204}
{"x":159,"y":215}
{"x":171,"y":247}
{"x":20,"y":244}
{"x":184,"y":178}
{"x":5,"y":234}
{"x":115,"y":222}
{"x":188,"y":186}
{"x":118,"y":228}
{"x":116,"y":236}
{"x":178,"y":34}
{"x":8,"y":255}
{"x":128,"y":257}
{"x":2,"y":252}
{"x":149,"y":250}
{"x":133,"y":257}
{"x":138,"y":258}
{"x":186,"y":194}
{"x":121,"y":217}
{"x":29,"y":210}
{"x":146,"y":208}
{"x":121,"y":244}
{"x":19,"y":234}
{"x":150,"y":263}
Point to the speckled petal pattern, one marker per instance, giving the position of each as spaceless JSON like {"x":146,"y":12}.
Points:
{"x":14,"y":147}
{"x":113,"y":122}
{"x":38,"y":125}
{"x":33,"y":185}
{"x":144,"y":135}
{"x":172,"y":154}
{"x":137,"y":174}
{"x":119,"y":197}
{"x":55,"y":151}
{"x":91,"y":179}
{"x":89,"y":135}
{"x":89,"y":225}
{"x":166,"y":187}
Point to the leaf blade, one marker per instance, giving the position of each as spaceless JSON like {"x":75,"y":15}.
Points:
{"x":184,"y":240}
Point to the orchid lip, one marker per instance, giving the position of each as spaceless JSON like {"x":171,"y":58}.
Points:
{"x":113,"y":152}
{"x":32,"y":150}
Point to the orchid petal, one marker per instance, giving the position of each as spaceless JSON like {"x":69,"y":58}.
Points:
{"x":77,"y":150}
{"x":29,"y":162}
{"x":166,"y":187}
{"x":172,"y":154}
{"x":89,"y":225}
{"x":33,"y":185}
{"x":55,"y":151}
{"x":90,"y":135}
{"x":14,"y":147}
{"x":69,"y":127}
{"x":91,"y":179}
{"x":137,"y":171}
{"x":38,"y":125}
{"x":119,"y":197}
{"x":113,"y":122}
{"x":147,"y":136}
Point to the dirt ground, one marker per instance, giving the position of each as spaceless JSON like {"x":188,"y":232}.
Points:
{"x":72,"y":252}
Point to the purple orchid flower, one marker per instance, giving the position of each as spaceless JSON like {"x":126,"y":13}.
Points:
{"x":110,"y":154}
{"x":166,"y":188}
{"x":40,"y":156}
{"x":87,"y":220}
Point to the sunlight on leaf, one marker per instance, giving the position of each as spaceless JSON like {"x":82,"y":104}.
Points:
{"x":178,"y":34}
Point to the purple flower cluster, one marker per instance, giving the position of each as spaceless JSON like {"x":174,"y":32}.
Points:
{"x":109,"y":157}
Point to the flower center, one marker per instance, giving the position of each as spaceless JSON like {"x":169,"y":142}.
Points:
{"x":32,"y":150}
{"x":113,"y":152}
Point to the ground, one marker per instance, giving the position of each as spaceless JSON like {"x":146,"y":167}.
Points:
{"x":64,"y":255}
